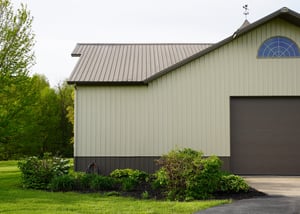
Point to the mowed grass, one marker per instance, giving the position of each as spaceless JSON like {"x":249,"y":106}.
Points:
{"x":15,"y":199}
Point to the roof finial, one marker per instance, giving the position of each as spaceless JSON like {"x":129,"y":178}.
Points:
{"x":246,"y":12}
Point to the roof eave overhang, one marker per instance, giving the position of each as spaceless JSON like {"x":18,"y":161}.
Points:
{"x":97,"y":83}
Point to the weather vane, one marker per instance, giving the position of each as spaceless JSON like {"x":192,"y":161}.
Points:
{"x":246,"y":12}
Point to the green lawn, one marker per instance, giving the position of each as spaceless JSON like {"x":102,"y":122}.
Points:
{"x":14,"y":199}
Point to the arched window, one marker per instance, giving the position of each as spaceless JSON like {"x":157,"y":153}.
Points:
{"x":278,"y":47}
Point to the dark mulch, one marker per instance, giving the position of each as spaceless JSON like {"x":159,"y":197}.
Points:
{"x":142,"y":188}
{"x":159,"y":195}
{"x":252,"y":193}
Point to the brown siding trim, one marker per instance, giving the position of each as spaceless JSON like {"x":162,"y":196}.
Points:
{"x":95,"y":83}
{"x":105,"y":165}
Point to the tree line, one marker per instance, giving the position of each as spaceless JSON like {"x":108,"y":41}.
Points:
{"x":34,"y":118}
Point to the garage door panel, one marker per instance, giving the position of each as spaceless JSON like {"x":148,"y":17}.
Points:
{"x":265,"y":135}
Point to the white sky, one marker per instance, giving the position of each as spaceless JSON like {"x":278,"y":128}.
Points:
{"x":60,"y":24}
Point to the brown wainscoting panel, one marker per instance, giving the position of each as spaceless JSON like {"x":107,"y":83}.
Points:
{"x":226,"y":163}
{"x":104,"y":165}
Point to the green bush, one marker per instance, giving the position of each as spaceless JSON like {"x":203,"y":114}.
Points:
{"x":84,"y":181}
{"x":159,"y":179}
{"x":37,"y":173}
{"x":103,"y":183}
{"x":145,"y":195}
{"x":233,"y":183}
{"x":129,"y":178}
{"x":189,"y":175}
{"x":128,"y":184}
{"x":179,"y":166}
{"x":205,"y":181}
{"x":134,"y":174}
{"x":63,"y":183}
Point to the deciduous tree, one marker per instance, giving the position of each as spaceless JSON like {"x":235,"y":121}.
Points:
{"x":16,"y":59}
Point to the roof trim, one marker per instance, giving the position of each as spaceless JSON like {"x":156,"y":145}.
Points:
{"x":284,"y":13}
{"x":123,"y":83}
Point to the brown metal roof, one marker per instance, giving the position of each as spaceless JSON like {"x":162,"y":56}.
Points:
{"x":142,"y":63}
{"x":127,"y":63}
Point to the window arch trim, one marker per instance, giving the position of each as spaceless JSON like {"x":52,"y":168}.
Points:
{"x":278,"y":47}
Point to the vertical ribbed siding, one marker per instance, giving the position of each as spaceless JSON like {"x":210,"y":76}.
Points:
{"x":188,"y":107}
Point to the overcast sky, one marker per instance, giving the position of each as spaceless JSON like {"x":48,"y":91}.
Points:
{"x":60,"y":24}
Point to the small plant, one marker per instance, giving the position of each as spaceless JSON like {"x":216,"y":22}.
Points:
{"x":129,"y":178}
{"x":113,"y":193}
{"x":128,"y":184}
{"x":134,"y":174}
{"x":103,"y":183}
{"x":145,"y":195}
{"x":233,"y":183}
{"x":60,"y":166}
{"x":62,"y":183}
{"x":84,"y":181}
{"x":160,"y":179}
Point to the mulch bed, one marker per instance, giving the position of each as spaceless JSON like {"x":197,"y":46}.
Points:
{"x":252,"y":193}
{"x":158,"y":195}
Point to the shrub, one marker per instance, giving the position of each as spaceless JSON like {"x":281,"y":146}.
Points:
{"x":189,"y":175}
{"x":205,"y":181}
{"x":159,"y":179}
{"x":233,"y":183}
{"x":129,"y":178}
{"x":63,"y":183}
{"x":179,"y":166}
{"x":84,"y":181}
{"x":37,"y":173}
{"x":134,"y":174}
{"x":103,"y":183}
{"x":60,"y":166}
{"x":145,"y":195}
{"x":128,"y":184}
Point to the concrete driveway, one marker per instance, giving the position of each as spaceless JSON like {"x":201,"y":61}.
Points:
{"x":283,"y":197}
{"x":288,"y":186}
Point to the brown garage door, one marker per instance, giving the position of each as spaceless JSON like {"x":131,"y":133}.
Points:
{"x":265,"y":135}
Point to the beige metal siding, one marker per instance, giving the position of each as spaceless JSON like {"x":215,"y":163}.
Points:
{"x":188,"y":107}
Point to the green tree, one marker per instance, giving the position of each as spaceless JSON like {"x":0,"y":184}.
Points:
{"x":50,"y":130}
{"x":70,"y":113}
{"x":65,"y":96}
{"x":45,"y":115}
{"x":16,"y":59}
